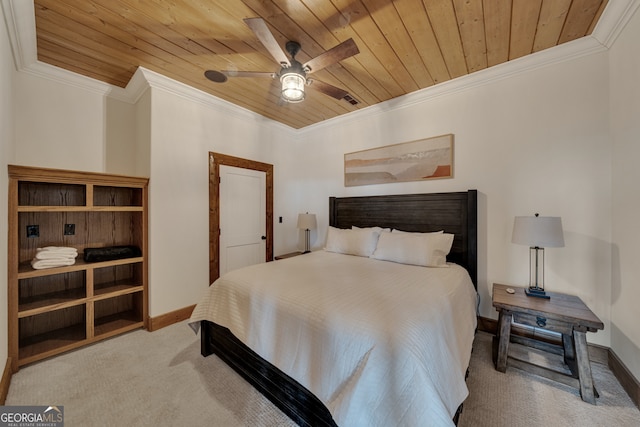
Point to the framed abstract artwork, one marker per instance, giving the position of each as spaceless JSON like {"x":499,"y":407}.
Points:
{"x":424,"y":159}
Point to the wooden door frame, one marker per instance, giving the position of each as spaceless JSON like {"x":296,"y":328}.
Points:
{"x":215,"y":161}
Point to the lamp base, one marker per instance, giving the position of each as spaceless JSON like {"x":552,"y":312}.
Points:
{"x":536,"y":292}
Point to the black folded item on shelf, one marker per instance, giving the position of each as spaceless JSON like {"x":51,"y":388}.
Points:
{"x":110,"y":253}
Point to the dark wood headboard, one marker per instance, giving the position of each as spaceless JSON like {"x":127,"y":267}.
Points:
{"x":455,"y":213}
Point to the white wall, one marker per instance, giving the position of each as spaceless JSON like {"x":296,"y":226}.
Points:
{"x":121,"y":146}
{"x":58,"y":125}
{"x":625,"y":126}
{"x":128,"y":135}
{"x":6,"y":157}
{"x":143,"y":135}
{"x":534,"y":142}
{"x":183,"y":132}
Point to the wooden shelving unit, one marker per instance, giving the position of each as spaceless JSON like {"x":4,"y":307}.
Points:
{"x":58,"y":309}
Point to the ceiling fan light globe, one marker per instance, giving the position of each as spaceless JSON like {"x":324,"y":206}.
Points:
{"x":293,"y":87}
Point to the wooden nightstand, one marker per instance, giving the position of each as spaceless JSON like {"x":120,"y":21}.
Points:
{"x":289,"y":255}
{"x":564,"y":314}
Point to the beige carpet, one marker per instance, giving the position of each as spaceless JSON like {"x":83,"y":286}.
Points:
{"x":160,"y":379}
{"x":144,"y":379}
{"x":516,"y":398}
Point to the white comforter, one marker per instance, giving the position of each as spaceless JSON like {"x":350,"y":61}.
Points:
{"x":379,"y":343}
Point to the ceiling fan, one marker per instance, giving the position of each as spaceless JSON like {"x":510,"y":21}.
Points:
{"x":293,"y":74}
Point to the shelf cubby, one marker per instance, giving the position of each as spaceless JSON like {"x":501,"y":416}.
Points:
{"x":117,"y":280}
{"x":116,"y":196}
{"x":117,"y":313}
{"x":51,"y":331}
{"x":51,"y":194}
{"x":49,"y":292}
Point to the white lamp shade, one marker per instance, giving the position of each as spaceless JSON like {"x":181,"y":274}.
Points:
{"x":538,"y":231}
{"x":307,"y":221}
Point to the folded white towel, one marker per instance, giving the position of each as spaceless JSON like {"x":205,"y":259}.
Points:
{"x":58,"y":250}
{"x":39,"y":264}
{"x":55,"y":255}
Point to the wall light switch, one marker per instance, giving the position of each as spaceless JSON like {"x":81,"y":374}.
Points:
{"x":69,"y":229}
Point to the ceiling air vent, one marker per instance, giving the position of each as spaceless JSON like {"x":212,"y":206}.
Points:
{"x":350,"y":99}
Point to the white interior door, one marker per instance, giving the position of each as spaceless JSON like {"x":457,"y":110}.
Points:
{"x":242,"y":217}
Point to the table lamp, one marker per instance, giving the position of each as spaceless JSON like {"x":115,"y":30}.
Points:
{"x":307,"y":222}
{"x":537,"y":232}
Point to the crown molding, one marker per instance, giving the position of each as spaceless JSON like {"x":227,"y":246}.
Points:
{"x":136,"y":87}
{"x":60,"y":75}
{"x":20,"y":19}
{"x":615,"y":17}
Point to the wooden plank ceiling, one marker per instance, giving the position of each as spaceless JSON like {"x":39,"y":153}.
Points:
{"x":405,"y":45}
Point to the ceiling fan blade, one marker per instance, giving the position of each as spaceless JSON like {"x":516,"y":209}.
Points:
{"x":248,"y":74}
{"x":328,"y":89}
{"x":221,"y":76}
{"x":259,"y":27}
{"x":342,"y":51}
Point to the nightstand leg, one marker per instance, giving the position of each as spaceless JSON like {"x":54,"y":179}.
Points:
{"x":504,"y":335}
{"x":587,"y":391}
{"x":570,"y":354}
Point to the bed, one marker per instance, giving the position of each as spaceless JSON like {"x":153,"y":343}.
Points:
{"x":323,"y":355}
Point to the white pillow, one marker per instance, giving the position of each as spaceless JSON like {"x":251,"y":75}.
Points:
{"x":360,"y":242}
{"x":375,"y":229}
{"x":425,"y":249}
{"x":395,"y":230}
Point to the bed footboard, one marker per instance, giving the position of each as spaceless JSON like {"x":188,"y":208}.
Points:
{"x":291,"y":397}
